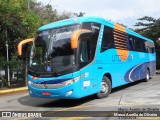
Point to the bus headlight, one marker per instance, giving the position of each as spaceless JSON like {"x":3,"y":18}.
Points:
{"x":71,"y":81}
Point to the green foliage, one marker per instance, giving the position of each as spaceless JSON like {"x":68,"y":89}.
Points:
{"x":150,"y":28}
{"x":16,"y":23}
{"x":81,"y":14}
{"x":14,"y":62}
{"x":2,"y":61}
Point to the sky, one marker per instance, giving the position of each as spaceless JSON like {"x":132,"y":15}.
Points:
{"x":119,"y":11}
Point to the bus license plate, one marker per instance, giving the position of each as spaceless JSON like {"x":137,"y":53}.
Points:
{"x":46,"y":93}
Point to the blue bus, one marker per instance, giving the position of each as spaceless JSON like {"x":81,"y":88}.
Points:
{"x":82,"y":56}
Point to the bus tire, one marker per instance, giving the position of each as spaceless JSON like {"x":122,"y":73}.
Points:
{"x":105,"y":88}
{"x":147,"y":77}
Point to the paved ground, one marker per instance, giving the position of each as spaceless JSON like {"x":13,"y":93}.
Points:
{"x":139,"y":95}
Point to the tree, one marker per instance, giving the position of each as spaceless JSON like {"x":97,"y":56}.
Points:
{"x":81,"y":14}
{"x":17,"y":22}
{"x":150,"y":28}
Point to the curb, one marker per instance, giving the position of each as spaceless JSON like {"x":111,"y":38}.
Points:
{"x":13,"y":90}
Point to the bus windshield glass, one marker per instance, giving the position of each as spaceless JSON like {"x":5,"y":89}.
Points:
{"x":51,"y":50}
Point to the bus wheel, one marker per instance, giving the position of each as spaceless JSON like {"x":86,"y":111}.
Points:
{"x":105,"y":88}
{"x":147,"y":76}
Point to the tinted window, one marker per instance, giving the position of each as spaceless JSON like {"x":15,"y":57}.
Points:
{"x":85,"y":50}
{"x":107,"y":40}
{"x":140,"y":45}
{"x":153,"y":49}
{"x":143,"y":48}
{"x":137,"y":44}
{"x":130,"y":42}
{"x":88,"y":43}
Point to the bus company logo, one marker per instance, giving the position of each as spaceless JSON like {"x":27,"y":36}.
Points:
{"x":59,"y":35}
{"x":123,"y":54}
{"x":93,"y":27}
{"x":45,"y":86}
{"x":124,"y":57}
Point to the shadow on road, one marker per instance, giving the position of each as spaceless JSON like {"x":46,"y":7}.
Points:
{"x":126,"y":86}
{"x":69,"y":102}
{"x":49,"y":103}
{"x":63,"y":103}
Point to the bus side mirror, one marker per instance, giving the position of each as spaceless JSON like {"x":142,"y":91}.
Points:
{"x":75,"y":37}
{"x":22,"y":46}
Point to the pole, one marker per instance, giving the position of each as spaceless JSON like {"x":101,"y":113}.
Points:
{"x":26,"y":56}
{"x":8,"y":75}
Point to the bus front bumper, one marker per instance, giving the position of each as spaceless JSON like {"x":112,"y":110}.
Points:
{"x":67,"y":92}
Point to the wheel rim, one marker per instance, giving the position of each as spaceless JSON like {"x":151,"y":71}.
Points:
{"x":104,"y":88}
{"x":147,"y":76}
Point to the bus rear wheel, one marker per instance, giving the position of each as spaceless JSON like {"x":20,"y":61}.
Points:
{"x":105,"y":88}
{"x":147,"y":76}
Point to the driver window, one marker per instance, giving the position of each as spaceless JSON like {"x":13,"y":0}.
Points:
{"x":85,"y":51}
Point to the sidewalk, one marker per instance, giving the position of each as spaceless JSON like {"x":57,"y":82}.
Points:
{"x":14,"y":90}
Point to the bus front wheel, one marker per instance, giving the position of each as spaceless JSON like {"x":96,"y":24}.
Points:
{"x":105,"y":88}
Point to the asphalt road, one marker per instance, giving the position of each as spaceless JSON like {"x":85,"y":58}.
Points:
{"x":138,"y":95}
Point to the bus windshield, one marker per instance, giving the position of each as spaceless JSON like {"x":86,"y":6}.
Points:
{"x":51,"y":50}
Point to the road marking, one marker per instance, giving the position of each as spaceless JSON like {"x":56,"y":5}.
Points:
{"x":77,"y":107}
{"x":132,"y":103}
{"x":122,"y":103}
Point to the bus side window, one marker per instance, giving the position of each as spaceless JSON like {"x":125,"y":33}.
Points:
{"x":107,"y":40}
{"x":143,"y":46}
{"x":138,"y":44}
{"x":134,"y":44}
{"x":151,"y":49}
{"x":130,"y":41}
{"x":148,"y":49}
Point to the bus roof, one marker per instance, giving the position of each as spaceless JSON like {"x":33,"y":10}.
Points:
{"x":88,"y":19}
